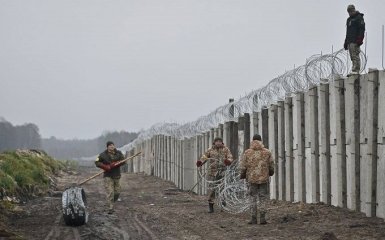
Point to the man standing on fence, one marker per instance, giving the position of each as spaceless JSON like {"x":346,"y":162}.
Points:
{"x":107,"y":161}
{"x":217,"y":158}
{"x":355,"y":31}
{"x":256,"y":166}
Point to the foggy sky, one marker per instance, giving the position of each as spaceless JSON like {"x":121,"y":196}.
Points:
{"x":76,"y":68}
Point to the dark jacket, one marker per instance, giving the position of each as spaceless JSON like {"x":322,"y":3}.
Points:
{"x":107,"y":158}
{"x":355,"y":28}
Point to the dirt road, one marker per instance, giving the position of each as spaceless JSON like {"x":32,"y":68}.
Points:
{"x":155,"y":209}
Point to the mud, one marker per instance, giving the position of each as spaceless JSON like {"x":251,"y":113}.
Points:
{"x":152,"y":208}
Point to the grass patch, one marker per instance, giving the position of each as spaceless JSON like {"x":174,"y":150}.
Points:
{"x":27,"y":172}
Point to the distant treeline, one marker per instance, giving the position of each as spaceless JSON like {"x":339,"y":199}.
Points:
{"x":75,"y":148}
{"x":23,"y":136}
{"x":27,"y":136}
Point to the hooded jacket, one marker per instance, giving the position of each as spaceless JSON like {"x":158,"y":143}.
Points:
{"x":355,"y":28}
{"x":257,"y":163}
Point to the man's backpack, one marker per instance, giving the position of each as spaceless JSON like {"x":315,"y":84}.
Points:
{"x":74,"y":206}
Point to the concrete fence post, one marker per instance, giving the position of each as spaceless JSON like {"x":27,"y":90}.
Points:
{"x":188,"y":180}
{"x":324,"y":135}
{"x":241,"y":135}
{"x":312,"y":146}
{"x":172,"y":147}
{"x":230,"y":137}
{"x":169,"y":166}
{"x":337,"y":144}
{"x":179,"y":164}
{"x":368,"y":140}
{"x":254,"y":125}
{"x":216,"y":132}
{"x":198,"y":188}
{"x":273,"y":146}
{"x":220,"y":130}
{"x":281,"y":160}
{"x":300,"y":158}
{"x":163,"y":156}
{"x":380,"y":211}
{"x":352,"y":116}
{"x":181,"y":167}
{"x":289,"y":155}
{"x":156,"y":157}
{"x":264,"y":126}
{"x":247,"y":134}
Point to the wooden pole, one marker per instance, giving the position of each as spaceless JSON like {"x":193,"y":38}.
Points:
{"x":99,"y":173}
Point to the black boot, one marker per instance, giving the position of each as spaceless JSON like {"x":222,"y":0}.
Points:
{"x":116,"y":197}
{"x":253,"y":220}
{"x":262,"y":218}
{"x":211,"y":207}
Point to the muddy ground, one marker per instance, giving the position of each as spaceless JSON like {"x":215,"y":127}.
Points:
{"x":155,"y":209}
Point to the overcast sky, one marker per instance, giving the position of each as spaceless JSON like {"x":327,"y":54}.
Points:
{"x":79,"y":67}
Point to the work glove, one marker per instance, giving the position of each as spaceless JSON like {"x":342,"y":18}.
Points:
{"x":105,"y":167}
{"x":360,"y":40}
{"x":199,"y":163}
{"x":227,"y":162}
{"x":115,"y":165}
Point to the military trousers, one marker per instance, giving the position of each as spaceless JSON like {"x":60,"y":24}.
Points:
{"x":259,"y":194}
{"x":112,"y":186}
{"x":211,"y":191}
{"x":354,"y":51}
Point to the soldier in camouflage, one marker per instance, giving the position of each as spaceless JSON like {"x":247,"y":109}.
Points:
{"x":256,"y":166}
{"x":108,"y":161}
{"x":217,"y":157}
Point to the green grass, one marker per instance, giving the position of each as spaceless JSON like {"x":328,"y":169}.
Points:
{"x":26,"y":170}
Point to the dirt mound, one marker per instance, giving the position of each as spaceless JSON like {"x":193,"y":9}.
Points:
{"x":26,"y":173}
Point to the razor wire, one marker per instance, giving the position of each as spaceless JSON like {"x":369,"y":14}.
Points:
{"x":318,"y":68}
{"x":232,"y":191}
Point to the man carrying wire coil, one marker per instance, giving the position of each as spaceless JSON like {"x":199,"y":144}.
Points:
{"x":256,"y":166}
{"x":217,"y":157}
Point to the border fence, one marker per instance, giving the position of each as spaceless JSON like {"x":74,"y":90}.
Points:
{"x":326,"y":133}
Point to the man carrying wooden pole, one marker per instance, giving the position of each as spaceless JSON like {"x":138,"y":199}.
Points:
{"x":110,"y":162}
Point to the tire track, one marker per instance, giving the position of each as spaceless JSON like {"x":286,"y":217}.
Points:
{"x":54,"y":230}
{"x":145,"y":228}
{"x":76,"y":233}
{"x":62,"y":232}
{"x":123,"y":233}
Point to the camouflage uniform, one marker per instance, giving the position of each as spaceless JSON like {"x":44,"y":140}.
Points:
{"x":112,"y":177}
{"x":215,"y":160}
{"x":257,"y":166}
{"x":112,"y":187}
